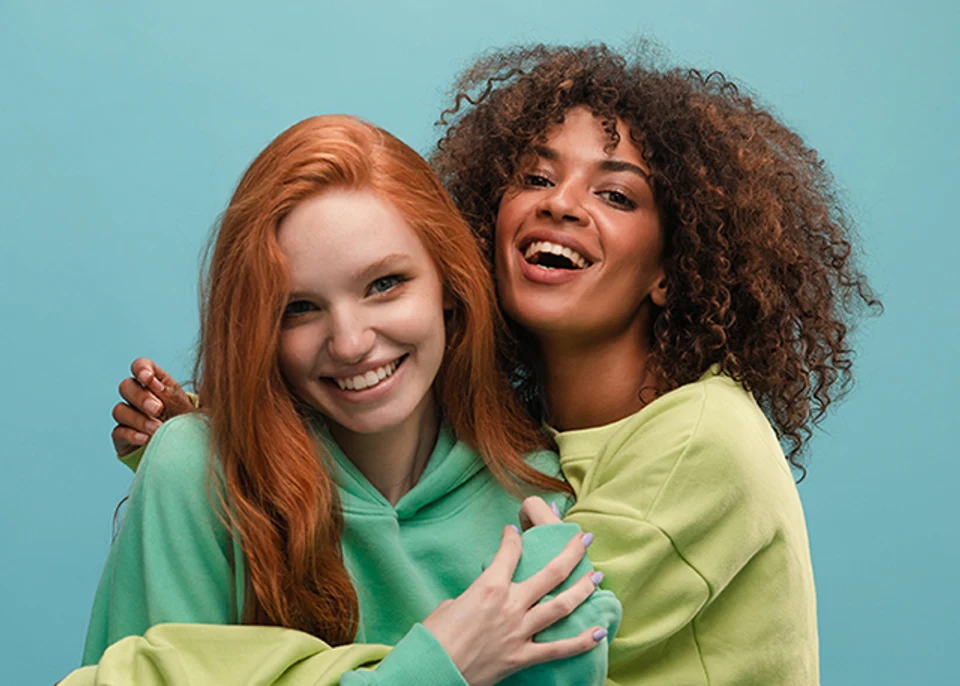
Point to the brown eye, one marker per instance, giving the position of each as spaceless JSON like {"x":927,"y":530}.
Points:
{"x":619,"y":199}
{"x":536,"y":180}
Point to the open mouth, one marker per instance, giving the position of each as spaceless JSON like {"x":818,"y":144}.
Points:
{"x":554,"y":256}
{"x":370,"y":379}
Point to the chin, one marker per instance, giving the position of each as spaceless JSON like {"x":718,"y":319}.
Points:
{"x":540,"y":317}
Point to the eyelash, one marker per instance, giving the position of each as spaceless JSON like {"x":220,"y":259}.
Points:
{"x":290,"y":310}
{"x":393,"y":279}
{"x":622,"y":200}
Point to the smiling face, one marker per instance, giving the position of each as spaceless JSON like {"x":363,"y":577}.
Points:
{"x":579,"y":245}
{"x":363,"y":331}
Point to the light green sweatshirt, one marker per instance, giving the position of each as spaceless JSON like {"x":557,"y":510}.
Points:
{"x":701,"y":535}
{"x":174,"y":561}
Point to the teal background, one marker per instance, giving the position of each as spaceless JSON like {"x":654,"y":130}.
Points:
{"x":125,"y":125}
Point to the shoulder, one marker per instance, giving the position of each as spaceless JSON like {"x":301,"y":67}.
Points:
{"x":708,"y":435}
{"x":715,"y":413}
{"x":178,"y":455}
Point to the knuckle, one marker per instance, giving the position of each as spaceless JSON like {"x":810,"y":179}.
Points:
{"x":554,"y":573}
{"x":566,"y":604}
{"x":490,"y":591}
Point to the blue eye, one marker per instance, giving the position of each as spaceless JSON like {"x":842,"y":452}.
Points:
{"x":385,"y":284}
{"x":297,"y":308}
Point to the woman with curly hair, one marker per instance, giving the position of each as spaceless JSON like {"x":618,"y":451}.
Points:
{"x":677,"y":270}
{"x":680,"y":283}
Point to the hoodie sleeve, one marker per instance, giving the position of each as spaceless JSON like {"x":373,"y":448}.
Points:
{"x":173,"y":559}
{"x":540,"y":545}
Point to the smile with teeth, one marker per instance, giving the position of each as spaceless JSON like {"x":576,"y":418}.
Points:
{"x":554,"y":256}
{"x":369,"y":379}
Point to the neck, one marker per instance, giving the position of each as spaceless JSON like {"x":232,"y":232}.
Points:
{"x":593,"y":383}
{"x":394,"y":459}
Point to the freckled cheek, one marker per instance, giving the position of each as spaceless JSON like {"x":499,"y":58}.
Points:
{"x":295,"y":356}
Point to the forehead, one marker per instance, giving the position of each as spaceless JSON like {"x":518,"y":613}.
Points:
{"x":343,"y":230}
{"x":581,"y":136}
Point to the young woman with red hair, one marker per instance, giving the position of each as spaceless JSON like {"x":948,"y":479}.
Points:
{"x":359,"y":454}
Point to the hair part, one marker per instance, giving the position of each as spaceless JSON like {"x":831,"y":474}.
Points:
{"x":277,"y":494}
{"x":759,"y":252}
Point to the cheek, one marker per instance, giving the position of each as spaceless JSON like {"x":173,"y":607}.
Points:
{"x":292,"y":356}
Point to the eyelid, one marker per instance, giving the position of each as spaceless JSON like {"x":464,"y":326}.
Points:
{"x":399,"y":278}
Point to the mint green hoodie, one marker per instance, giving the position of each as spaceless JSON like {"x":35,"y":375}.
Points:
{"x":174,"y":561}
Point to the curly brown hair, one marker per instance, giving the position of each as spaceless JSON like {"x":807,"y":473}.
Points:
{"x":759,"y":255}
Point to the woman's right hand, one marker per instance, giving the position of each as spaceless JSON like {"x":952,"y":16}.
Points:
{"x":150,"y":396}
{"x":488,"y":630}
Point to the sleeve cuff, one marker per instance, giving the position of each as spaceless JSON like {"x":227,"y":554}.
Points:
{"x":417,"y":660}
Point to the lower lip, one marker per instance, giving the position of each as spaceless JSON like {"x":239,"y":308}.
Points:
{"x":538,"y":274}
{"x":371,"y":394}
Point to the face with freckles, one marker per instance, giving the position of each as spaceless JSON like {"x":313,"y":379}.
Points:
{"x":579,"y":244}
{"x":363,"y":335}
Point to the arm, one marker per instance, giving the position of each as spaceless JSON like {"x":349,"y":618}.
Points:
{"x":682,"y":503}
{"x":172,"y":560}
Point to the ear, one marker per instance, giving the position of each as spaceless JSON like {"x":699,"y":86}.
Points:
{"x":658,"y":294}
{"x":449,"y":302}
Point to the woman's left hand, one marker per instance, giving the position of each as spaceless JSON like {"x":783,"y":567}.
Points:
{"x":535,"y":512}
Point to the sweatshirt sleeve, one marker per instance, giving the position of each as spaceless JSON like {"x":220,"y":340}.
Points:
{"x":674,"y":511}
{"x":172,"y":559}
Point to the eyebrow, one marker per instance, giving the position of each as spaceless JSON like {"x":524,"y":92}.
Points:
{"x":385,"y":263}
{"x":606,"y":165}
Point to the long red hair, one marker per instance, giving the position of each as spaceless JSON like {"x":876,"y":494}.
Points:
{"x":279,"y":498}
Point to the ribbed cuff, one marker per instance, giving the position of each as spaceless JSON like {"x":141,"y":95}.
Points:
{"x":417,"y":660}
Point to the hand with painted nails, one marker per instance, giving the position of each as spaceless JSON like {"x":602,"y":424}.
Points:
{"x":535,"y":512}
{"x":150,"y":397}
{"x":488,"y":630}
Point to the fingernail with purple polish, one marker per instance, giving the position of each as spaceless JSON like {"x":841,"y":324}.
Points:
{"x":587,"y":540}
{"x":596,"y":578}
{"x":556,"y":510}
{"x":515,"y":528}
{"x":599,"y":634}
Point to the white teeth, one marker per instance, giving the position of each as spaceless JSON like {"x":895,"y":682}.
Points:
{"x":554,"y":249}
{"x":371,"y":378}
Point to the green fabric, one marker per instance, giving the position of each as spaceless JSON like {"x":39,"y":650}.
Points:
{"x":174,"y":561}
{"x":700,"y":533}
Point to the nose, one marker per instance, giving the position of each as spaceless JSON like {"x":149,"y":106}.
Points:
{"x":350,"y":339}
{"x":561,"y":204}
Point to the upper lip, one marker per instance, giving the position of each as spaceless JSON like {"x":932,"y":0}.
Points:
{"x":361,"y":369}
{"x":558,"y":237}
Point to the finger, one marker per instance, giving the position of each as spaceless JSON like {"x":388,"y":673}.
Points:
{"x":140,"y":398}
{"x":126,"y":440}
{"x":132,"y":418}
{"x":536,"y":512}
{"x":163,"y":379}
{"x":534,"y":653}
{"x":508,"y":556}
{"x":555,"y":571}
{"x":143,"y":370}
{"x":539,"y":617}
